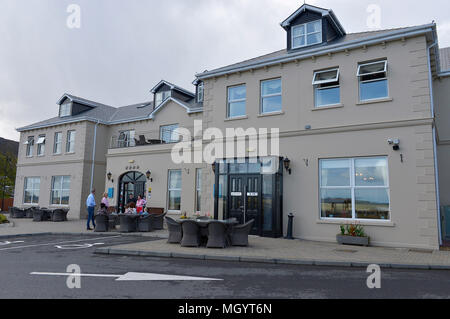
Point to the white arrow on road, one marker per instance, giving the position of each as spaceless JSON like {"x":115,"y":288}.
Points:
{"x":10,"y":242}
{"x":132,"y":276}
{"x":77,"y":246}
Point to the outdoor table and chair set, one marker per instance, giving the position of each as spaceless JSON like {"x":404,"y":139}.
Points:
{"x":39,"y":214}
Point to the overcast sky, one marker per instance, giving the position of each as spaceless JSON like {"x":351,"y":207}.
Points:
{"x":124,"y":47}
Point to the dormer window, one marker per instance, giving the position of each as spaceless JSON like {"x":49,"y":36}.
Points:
{"x":65,"y":109}
{"x":161,"y":97}
{"x":200,"y":92}
{"x":306,"y":34}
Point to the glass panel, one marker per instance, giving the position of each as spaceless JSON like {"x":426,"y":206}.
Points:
{"x":372,"y":203}
{"x":298,"y":42}
{"x":335,"y":172}
{"x":372,"y":68}
{"x":314,"y":38}
{"x":35,"y":196}
{"x":175,"y":180}
{"x":326,"y":76}
{"x":298,"y":30}
{"x":314,"y":27}
{"x":237,"y":93}
{"x":271,"y":87}
{"x":65,"y":198}
{"x":28,"y":197}
{"x":267,"y":202}
{"x":174,"y":200}
{"x":66,"y":182}
{"x":236,"y":109}
{"x":371,"y":172}
{"x":373,"y":90}
{"x":56,"y":194}
{"x":328,"y":96}
{"x":57,"y":182}
{"x":271,"y":104}
{"x":336,"y":203}
{"x":223,"y":191}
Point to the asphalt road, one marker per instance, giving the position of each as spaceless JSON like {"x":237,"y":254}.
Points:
{"x":238,"y":280}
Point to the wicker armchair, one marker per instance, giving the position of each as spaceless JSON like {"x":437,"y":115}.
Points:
{"x":175,"y":231}
{"x":217,"y":235}
{"x":101,"y":223}
{"x":59,"y":215}
{"x":157,"y":220}
{"x":145,"y":223}
{"x":191,"y":234}
{"x":128,"y":223}
{"x":239,"y":234}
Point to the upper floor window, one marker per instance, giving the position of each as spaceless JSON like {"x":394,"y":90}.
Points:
{"x":326,"y":88}
{"x":31,"y":190}
{"x":271,"y":96}
{"x":30,"y":144}
{"x":41,"y":145}
{"x":169,"y":133}
{"x":57,"y":143}
{"x":237,"y":96}
{"x":306,"y":34}
{"x":200,"y":92}
{"x":126,"y":139}
{"x":70,"y":147}
{"x":373,"y":83}
{"x":161,"y":97}
{"x":65,"y":109}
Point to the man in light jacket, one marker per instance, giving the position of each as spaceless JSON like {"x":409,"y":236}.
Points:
{"x":90,"y":203}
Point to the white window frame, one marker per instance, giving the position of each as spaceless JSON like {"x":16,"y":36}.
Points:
{"x":128,"y":140}
{"x":352,"y":188}
{"x":316,"y":84}
{"x":61,"y":190}
{"x":57,"y":144}
{"x":229,"y":101}
{"x":29,"y":146}
{"x":67,"y":107}
{"x":271,"y":95}
{"x":385,"y":78}
{"x":41,"y":145}
{"x":162,"y":128}
{"x":71,"y":135}
{"x":305,"y":34}
{"x":198,"y":189}
{"x":174,"y":189}
{"x":33,"y":188}
{"x":200,"y":92}
{"x":160,"y":97}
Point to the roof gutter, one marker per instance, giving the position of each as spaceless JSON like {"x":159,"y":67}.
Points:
{"x":444,"y":74}
{"x":330,"y":49}
{"x":80,"y":119}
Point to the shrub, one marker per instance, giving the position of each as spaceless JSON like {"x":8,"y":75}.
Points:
{"x":3,"y":219}
{"x":353,"y":230}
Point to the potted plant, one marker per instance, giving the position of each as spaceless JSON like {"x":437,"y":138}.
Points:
{"x":353,"y":234}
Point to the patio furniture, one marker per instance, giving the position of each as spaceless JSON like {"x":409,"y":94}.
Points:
{"x":157,"y":220}
{"x":239,"y":234}
{"x":101,"y":223}
{"x":29,"y":212}
{"x":191,"y":234}
{"x":141,"y":141}
{"x":217,"y":234}
{"x":47,"y":214}
{"x":175,"y":231}
{"x":19,"y":213}
{"x":203,"y":218}
{"x":59,"y":215}
{"x":128,"y":223}
{"x":113,"y":220}
{"x":145,"y":223}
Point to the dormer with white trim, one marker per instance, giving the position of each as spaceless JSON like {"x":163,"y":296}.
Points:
{"x":70,"y":105}
{"x":311,"y":26}
{"x":165,"y":90}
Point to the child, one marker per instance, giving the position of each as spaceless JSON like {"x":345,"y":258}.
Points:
{"x":131,"y":208}
{"x":103,"y":210}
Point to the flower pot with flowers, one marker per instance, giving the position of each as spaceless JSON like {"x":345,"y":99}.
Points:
{"x":353,"y":234}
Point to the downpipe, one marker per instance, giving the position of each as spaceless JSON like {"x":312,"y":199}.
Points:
{"x":93,"y":155}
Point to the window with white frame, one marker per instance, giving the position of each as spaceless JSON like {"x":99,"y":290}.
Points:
{"x":306,"y":34}
{"x":57,"y":144}
{"x":70,"y":146}
{"x":161,"y":97}
{"x":31,"y":190}
{"x":29,"y":146}
{"x":169,"y":133}
{"x":65,"y":109}
{"x":355,"y":188}
{"x":373,"y":82}
{"x":60,"y":193}
{"x":198,"y":190}
{"x":174,"y":190}
{"x":200,"y":92}
{"x":326,"y":88}
{"x":126,"y":139}
{"x":41,"y":145}
{"x":237,"y":96}
{"x":271,"y":96}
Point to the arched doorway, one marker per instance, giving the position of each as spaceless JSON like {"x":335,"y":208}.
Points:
{"x":130,"y":183}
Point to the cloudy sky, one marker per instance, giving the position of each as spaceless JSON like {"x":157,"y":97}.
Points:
{"x":124,"y":47}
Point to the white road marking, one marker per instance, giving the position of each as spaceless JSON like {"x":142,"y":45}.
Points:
{"x":132,"y":276}
{"x":5,"y":243}
{"x":76,"y":246}
{"x":60,"y":243}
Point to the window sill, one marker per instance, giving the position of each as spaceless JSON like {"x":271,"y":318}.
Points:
{"x":271,"y":114}
{"x":328,"y":107}
{"x":377,"y":223}
{"x":375,"y":101}
{"x":236,"y":118}
{"x":57,"y":154}
{"x":70,"y":153}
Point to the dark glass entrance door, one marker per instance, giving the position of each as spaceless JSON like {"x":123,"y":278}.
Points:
{"x":244,"y":200}
{"x":132,"y":183}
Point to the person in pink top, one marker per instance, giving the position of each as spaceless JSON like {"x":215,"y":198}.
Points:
{"x":105,"y":200}
{"x":140,"y":204}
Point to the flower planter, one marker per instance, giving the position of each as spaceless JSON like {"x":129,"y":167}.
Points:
{"x":351,"y":240}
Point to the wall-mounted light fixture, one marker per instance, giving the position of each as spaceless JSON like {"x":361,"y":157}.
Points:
{"x":109,"y":175}
{"x":213,"y":166}
{"x":149,"y":174}
{"x":287,"y":165}
{"x":395,"y":143}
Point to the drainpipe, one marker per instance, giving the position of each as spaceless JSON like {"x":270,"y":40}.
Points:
{"x":93,"y":155}
{"x":436,"y":168}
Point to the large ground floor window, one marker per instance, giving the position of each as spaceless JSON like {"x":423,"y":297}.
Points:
{"x":174,"y":190}
{"x":31,"y":190}
{"x":355,"y":188}
{"x":60,"y":190}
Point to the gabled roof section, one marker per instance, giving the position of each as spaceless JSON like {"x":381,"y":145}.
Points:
{"x":324,"y":12}
{"x":189,"y":107}
{"x":172,"y":87}
{"x":79,"y":100}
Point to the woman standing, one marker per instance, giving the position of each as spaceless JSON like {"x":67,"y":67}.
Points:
{"x":105,"y":200}
{"x":140,"y":204}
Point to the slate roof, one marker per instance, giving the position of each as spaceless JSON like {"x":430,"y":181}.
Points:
{"x":445,"y":59}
